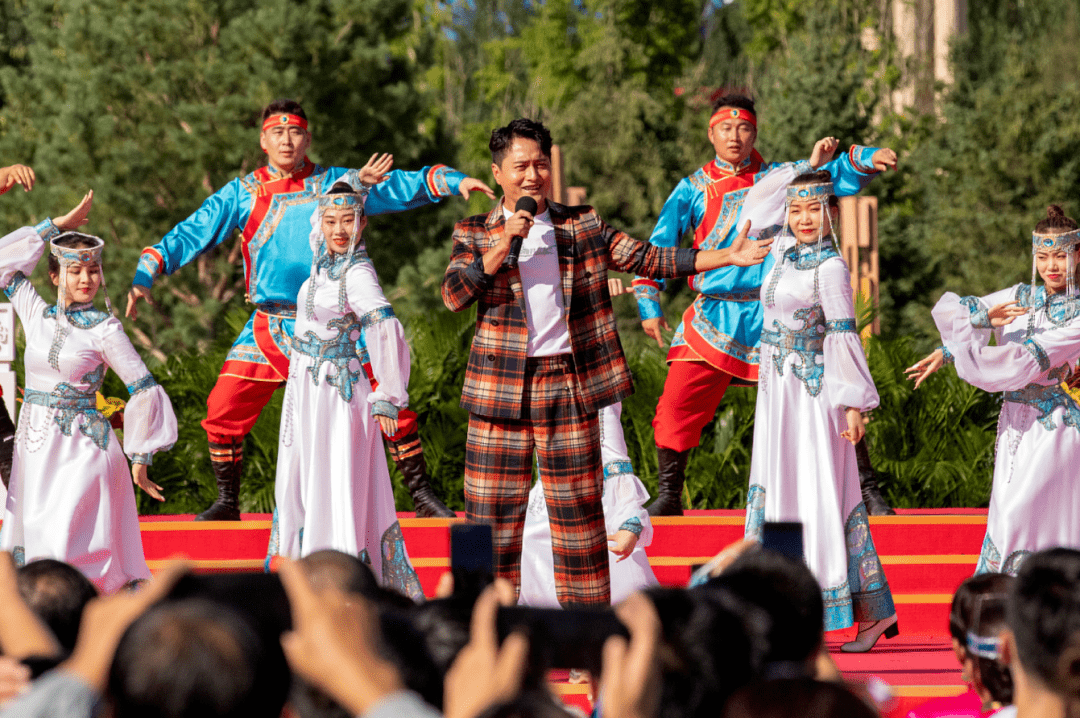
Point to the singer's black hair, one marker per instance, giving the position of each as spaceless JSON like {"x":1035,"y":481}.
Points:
{"x":503,"y":137}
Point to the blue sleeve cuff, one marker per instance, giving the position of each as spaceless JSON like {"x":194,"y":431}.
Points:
{"x":142,"y":459}
{"x":47,"y":230}
{"x":648,"y":301}
{"x":443,"y":181}
{"x":384,"y":408}
{"x":633,"y":525}
{"x":947,"y":355}
{"x":802,"y":167}
{"x":862,"y":158}
{"x":980,"y":314}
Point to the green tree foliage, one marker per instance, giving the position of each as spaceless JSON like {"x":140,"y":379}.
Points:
{"x":154,"y":105}
{"x":1008,"y":146}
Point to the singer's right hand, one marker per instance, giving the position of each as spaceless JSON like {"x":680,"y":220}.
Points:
{"x":518,"y":225}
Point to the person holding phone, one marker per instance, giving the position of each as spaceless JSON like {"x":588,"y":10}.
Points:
{"x":813,"y":388}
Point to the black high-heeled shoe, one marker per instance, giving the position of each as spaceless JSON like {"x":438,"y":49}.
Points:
{"x":868,"y":637}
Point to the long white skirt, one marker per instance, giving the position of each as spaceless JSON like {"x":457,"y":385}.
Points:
{"x":803,"y":470}
{"x":333,"y":487}
{"x":1034,"y":503}
{"x":71,"y":501}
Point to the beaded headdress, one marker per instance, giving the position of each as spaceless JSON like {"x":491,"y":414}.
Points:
{"x":1057,"y":242}
{"x":66,"y":257}
{"x":339,"y":200}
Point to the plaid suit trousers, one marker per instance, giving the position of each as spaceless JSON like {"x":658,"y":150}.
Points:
{"x":498,"y":476}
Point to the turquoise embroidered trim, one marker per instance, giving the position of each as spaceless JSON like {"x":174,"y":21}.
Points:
{"x":755,"y":512}
{"x":375,"y":316}
{"x":384,"y":408}
{"x":84,"y":316}
{"x":989,"y":557}
{"x":807,"y":342}
{"x":947,"y":355}
{"x":71,"y":402}
{"x":273,"y":548}
{"x":810,"y":256}
{"x":1060,"y":308}
{"x":871,"y":598}
{"x":980,"y":314}
{"x":648,"y":301}
{"x":47,"y":230}
{"x":633,"y":525}
{"x":397,"y":572}
{"x":617,"y":468}
{"x":17,"y":280}
{"x":1038,"y":352}
{"x":339,"y":351}
{"x":1045,"y":399}
{"x":146,"y":382}
{"x":146,"y":459}
{"x":836,"y":326}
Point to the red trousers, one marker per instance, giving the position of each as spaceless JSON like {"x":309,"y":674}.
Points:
{"x":692,"y":393}
{"x":235,"y":403}
{"x":499,"y":473}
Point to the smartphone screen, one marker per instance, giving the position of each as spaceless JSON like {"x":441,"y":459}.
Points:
{"x":471,"y":559}
{"x":572,"y":638}
{"x":784,"y":537}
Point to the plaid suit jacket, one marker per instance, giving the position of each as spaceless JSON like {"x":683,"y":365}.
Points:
{"x":495,"y":377}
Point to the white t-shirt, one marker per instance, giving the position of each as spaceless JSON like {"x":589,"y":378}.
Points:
{"x":541,"y":282}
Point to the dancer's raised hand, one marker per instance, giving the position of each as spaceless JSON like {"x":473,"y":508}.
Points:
{"x":136,"y":293}
{"x":471,"y":184}
{"x":824,"y":149}
{"x":376,"y":169}
{"x":16,"y":174}
{"x":141,"y":478}
{"x":925,"y":367}
{"x":77,"y":217}
{"x":746,"y":252}
{"x":884,"y":159}
{"x":1003,"y":314}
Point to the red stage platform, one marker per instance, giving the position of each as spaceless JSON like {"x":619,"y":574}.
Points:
{"x":926,"y":554}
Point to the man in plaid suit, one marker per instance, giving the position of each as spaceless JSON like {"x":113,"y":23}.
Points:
{"x":546,"y":357}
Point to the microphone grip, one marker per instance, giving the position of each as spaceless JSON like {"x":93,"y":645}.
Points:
{"x":515,"y":250}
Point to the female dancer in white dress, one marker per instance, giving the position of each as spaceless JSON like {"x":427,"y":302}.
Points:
{"x":71,"y":495}
{"x":1033,"y":503}
{"x":814,"y":386}
{"x":628,"y":526}
{"x":333,"y":487}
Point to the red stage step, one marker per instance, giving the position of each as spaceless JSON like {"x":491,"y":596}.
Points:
{"x":925,"y":553}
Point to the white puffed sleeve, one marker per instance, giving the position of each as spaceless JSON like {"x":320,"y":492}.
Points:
{"x":384,"y":338}
{"x":624,"y":494}
{"x":847,"y":377}
{"x":764,"y":204}
{"x":149,"y":421}
{"x":967,"y":319}
{"x":1012,"y":366}
{"x":20,"y":252}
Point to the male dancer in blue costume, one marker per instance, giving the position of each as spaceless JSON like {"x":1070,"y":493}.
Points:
{"x":717,"y":341}
{"x":272,"y":207}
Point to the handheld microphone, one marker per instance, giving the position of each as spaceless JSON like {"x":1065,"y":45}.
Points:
{"x":529,"y":205}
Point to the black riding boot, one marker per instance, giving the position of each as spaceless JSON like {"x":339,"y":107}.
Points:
{"x":417,"y":481}
{"x":228,"y":461}
{"x":672,"y":475}
{"x":871,"y":496}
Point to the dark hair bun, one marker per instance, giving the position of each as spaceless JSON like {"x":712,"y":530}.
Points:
{"x":1054,"y":211}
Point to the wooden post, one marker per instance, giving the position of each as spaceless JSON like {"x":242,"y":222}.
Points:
{"x":859,"y":248}
{"x":558,"y":179}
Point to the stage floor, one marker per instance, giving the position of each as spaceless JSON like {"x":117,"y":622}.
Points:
{"x":925,"y":553}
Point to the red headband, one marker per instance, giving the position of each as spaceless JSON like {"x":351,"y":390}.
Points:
{"x":732,"y":113}
{"x":284,"y":120}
